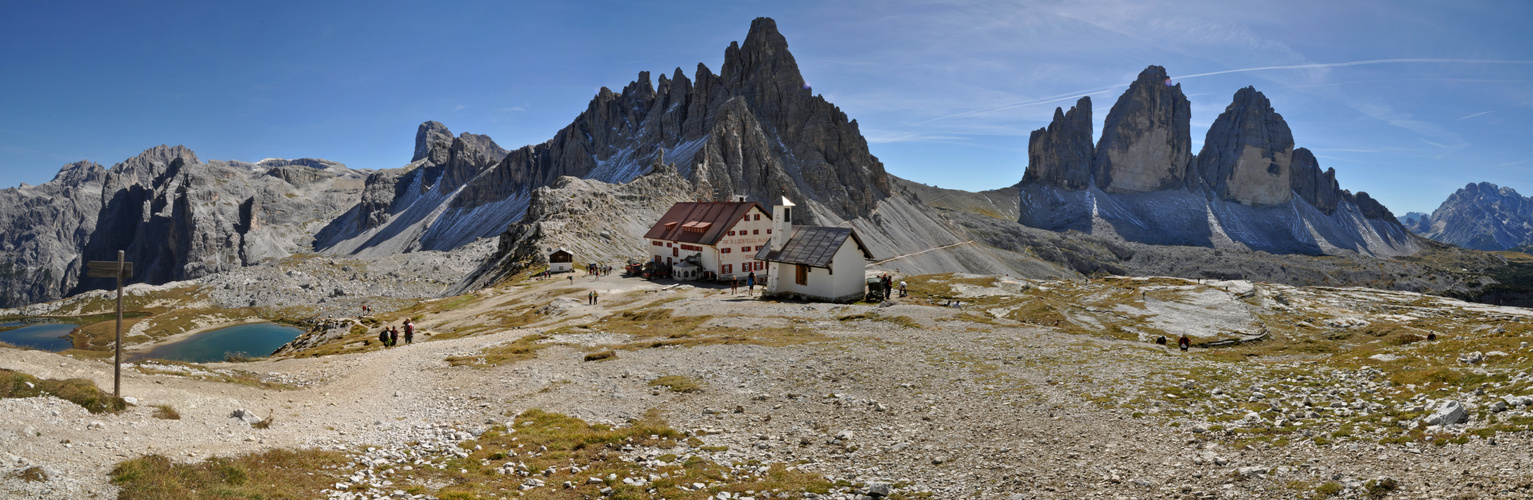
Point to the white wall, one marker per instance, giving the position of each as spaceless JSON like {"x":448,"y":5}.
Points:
{"x":749,"y":233}
{"x":846,"y":282}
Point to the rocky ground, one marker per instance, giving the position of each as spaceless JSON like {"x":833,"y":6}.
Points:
{"x":1031,"y":389}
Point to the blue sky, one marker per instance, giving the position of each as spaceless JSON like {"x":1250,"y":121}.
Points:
{"x":946,"y":92}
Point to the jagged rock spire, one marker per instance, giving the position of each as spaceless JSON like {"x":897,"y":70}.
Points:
{"x":1248,"y":153}
{"x":1061,"y":153}
{"x":1146,"y":141}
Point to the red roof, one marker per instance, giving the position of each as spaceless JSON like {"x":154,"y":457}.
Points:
{"x":701,"y":222}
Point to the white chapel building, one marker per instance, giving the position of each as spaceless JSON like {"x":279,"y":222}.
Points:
{"x":711,"y":240}
{"x":813,"y":262}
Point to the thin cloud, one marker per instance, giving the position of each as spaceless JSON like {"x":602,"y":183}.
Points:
{"x":1482,"y":113}
{"x":1515,"y":163}
{"x":1355,"y":63}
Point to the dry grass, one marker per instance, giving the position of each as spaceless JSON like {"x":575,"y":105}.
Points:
{"x":904,"y":321}
{"x":601,"y":355}
{"x":677,"y":383}
{"x":521,"y":349}
{"x":166,"y":412}
{"x":272,"y":474}
{"x":33,"y":474}
{"x":14,"y":384}
{"x":548,"y":444}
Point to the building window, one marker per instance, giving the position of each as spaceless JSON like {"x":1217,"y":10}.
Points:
{"x":724,"y":250}
{"x":755,"y":231}
{"x":769,"y":230}
{"x":758,"y":248}
{"x":801,"y":275}
{"x":745,"y":249}
{"x":729,"y":268}
{"x":758,"y":216}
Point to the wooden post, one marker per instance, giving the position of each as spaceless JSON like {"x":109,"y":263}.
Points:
{"x":117,"y":366}
{"x":121,"y":270}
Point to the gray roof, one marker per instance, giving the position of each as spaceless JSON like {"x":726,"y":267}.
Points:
{"x":813,"y":246}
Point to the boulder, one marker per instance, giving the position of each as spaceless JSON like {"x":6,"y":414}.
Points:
{"x":1449,"y":413}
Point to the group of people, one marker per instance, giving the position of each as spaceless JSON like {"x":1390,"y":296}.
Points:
{"x":598,"y":270}
{"x":750,"y":284}
{"x":390,"y":336}
{"x":887,"y":283}
{"x":1182,"y":343}
{"x":591,"y":298}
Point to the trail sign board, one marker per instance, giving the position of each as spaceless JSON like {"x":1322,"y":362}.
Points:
{"x":108,"y":269}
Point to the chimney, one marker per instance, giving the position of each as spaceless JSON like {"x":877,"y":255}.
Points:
{"x":782,"y":224}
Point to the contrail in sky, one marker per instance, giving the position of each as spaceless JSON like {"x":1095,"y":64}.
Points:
{"x":1356,"y":63}
{"x":1103,"y":90}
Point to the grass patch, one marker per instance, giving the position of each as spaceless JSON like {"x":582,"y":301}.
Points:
{"x":14,"y":384}
{"x":904,"y":321}
{"x":33,"y":474}
{"x":271,"y":474}
{"x":601,"y":356}
{"x":166,"y":412}
{"x":521,"y":349}
{"x":677,"y":383}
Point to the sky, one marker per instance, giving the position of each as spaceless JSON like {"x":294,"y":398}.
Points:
{"x":1407,"y":100}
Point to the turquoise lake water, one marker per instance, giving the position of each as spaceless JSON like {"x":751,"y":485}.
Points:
{"x":46,"y":336}
{"x":255,"y":340}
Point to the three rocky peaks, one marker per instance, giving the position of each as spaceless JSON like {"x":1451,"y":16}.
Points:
{"x":1248,"y":158}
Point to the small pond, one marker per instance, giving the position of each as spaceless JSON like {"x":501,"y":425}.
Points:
{"x":35,"y":334}
{"x":254,"y":340}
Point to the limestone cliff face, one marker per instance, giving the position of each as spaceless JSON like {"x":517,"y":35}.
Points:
{"x":1061,"y":154}
{"x":174,"y":216}
{"x":42,"y":229}
{"x":1247,"y":156}
{"x":754,"y":129}
{"x":1313,"y":186}
{"x":1146,"y":141}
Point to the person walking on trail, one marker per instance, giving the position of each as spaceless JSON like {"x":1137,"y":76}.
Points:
{"x":595,"y":297}
{"x":888,"y":285}
{"x":591,"y":298}
{"x":902,"y":288}
{"x":383,"y":337}
{"x":393,"y":336}
{"x":409,"y":332}
{"x":750,"y":284}
{"x":734,"y":286}
{"x":1184,"y":342}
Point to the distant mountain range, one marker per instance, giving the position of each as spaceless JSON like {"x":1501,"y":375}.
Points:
{"x":1248,"y":205}
{"x":1480,"y":216}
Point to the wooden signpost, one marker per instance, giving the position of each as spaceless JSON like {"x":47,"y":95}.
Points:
{"x":121,"y":270}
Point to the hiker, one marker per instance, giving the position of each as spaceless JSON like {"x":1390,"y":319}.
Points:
{"x":591,"y":298}
{"x":1184,"y":342}
{"x":383,"y":337}
{"x":902,"y":288}
{"x":393,"y":336}
{"x":750,"y":284}
{"x":734,"y":286}
{"x":595,"y":297}
{"x":1160,"y":340}
{"x":572,"y":278}
{"x":409,"y":331}
{"x":888,"y":285}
